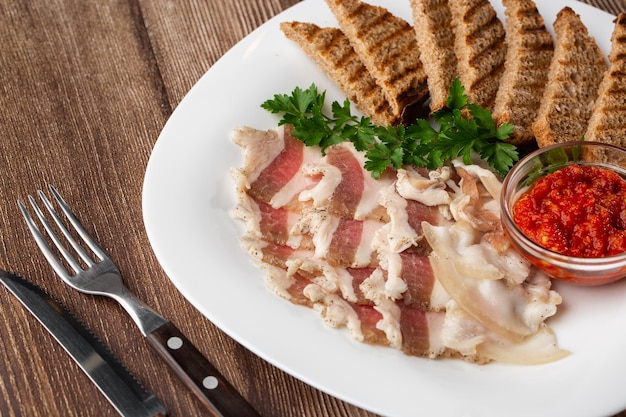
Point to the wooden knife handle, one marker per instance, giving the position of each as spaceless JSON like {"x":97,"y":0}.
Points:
{"x":198,"y":374}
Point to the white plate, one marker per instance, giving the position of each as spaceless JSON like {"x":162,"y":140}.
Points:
{"x":188,"y":194}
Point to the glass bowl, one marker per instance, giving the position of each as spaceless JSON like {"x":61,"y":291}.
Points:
{"x":577,"y":270}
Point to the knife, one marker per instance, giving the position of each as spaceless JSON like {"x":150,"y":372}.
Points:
{"x":122,"y":390}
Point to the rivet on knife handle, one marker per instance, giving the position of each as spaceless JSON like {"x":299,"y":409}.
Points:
{"x":198,"y":373}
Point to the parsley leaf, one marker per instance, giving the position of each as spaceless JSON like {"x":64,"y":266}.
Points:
{"x":460,"y":130}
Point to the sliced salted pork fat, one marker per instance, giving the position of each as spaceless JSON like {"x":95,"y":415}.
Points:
{"x":387,"y":258}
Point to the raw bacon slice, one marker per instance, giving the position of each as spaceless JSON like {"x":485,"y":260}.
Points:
{"x":369,"y":318}
{"x":280,"y":170}
{"x":274,"y":223}
{"x":342,"y":242}
{"x":418,"y":212}
{"x":348,"y":192}
{"x":345,"y":241}
{"x":420,"y":280}
{"x":421,"y":332}
{"x":358,"y":276}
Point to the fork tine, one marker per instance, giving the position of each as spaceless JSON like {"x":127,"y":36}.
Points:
{"x":68,"y":236}
{"x":41,"y":241}
{"x":52,"y":234}
{"x":82,"y":232}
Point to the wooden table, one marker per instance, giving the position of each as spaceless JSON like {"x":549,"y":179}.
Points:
{"x":86,"y":87}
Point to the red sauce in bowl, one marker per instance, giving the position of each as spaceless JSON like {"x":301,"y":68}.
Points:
{"x":579,"y":211}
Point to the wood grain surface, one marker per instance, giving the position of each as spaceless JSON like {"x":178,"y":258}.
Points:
{"x":85,"y":89}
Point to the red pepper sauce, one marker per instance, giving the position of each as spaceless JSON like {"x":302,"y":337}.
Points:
{"x":578,"y":210}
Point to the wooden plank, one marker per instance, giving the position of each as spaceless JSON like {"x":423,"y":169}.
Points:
{"x":79,"y":108}
{"x":189,"y":36}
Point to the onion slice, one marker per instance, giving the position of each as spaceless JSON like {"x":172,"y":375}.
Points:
{"x":514,"y":311}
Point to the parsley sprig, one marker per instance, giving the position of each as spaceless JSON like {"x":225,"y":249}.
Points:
{"x":459,"y":129}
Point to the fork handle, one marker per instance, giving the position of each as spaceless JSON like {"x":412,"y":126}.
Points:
{"x":198,"y":374}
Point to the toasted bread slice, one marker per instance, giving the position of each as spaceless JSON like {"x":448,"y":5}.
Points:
{"x":479,"y":44}
{"x":575,"y":74}
{"x":387,"y":46}
{"x":529,"y":53}
{"x":432,"y":21}
{"x":334,"y":54}
{"x":608,"y":118}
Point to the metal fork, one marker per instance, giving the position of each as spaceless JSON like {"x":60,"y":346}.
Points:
{"x":102,"y":277}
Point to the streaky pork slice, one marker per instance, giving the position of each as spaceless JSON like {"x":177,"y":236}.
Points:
{"x":387,"y":46}
{"x":529,"y":53}
{"x":608,"y":118}
{"x":576,"y":71}
{"x":480,"y":48}
{"x":334,"y":54}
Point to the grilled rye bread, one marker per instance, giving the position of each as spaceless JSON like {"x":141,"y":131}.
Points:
{"x":529,"y":53}
{"x":334,"y":54}
{"x":388,"y":47}
{"x":575,"y":74}
{"x":608,"y":118}
{"x":480,"y":49}
{"x":432,"y":20}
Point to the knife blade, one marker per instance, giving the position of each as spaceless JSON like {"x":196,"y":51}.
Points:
{"x":115,"y":382}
